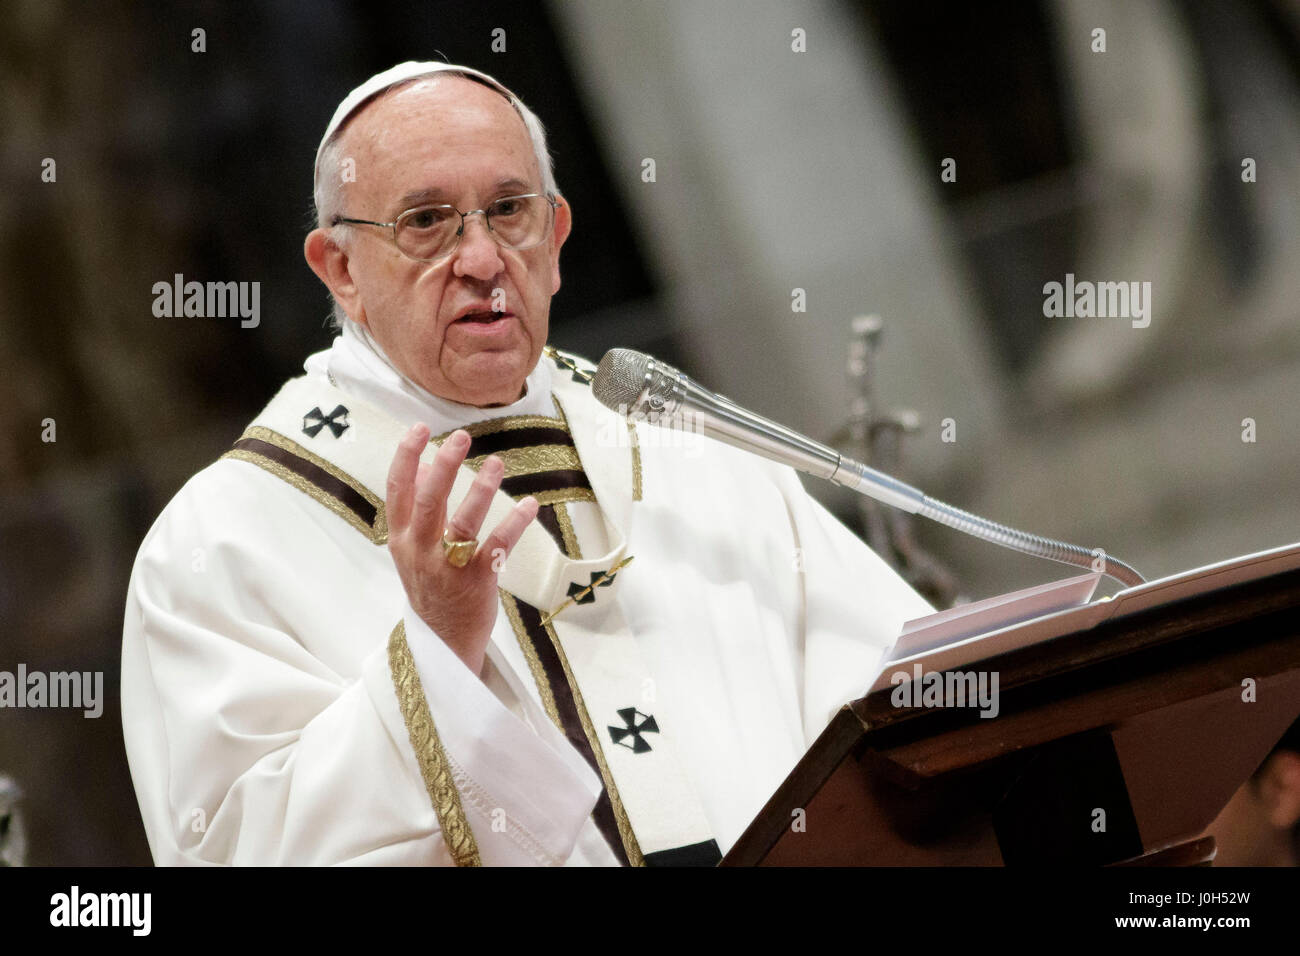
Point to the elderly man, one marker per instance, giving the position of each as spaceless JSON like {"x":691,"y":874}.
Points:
{"x":438,"y":606}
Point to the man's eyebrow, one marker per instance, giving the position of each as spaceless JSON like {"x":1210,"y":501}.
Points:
{"x":434,"y":195}
{"x":420,"y":197}
{"x":513,"y":185}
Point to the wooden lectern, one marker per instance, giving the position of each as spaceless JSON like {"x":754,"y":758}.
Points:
{"x":1116,"y":742}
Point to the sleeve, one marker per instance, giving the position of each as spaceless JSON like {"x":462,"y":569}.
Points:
{"x":854,"y":607}
{"x":249,"y":744}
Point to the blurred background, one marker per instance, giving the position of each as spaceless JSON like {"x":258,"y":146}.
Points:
{"x":799,"y":151}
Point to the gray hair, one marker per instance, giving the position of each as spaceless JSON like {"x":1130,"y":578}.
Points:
{"x":327,"y":193}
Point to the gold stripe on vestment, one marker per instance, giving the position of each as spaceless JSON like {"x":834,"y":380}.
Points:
{"x":434,"y":767}
{"x":630,"y":844}
{"x":570,"y":537}
{"x":636,"y":461}
{"x":558,"y":495}
{"x":530,"y":655}
{"x":532,"y":459}
{"x":377,"y":533}
{"x":491,"y":426}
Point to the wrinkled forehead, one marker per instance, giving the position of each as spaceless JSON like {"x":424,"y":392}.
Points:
{"x":425,"y":114}
{"x":457,"y":86}
{"x":349,"y":116}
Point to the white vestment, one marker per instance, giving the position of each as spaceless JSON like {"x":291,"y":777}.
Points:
{"x":266,"y":713}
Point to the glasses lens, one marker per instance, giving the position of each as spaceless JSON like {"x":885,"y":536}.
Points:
{"x":520,"y":221}
{"x":428,"y":232}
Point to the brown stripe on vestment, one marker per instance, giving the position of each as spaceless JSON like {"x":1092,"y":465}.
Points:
{"x":608,"y":814}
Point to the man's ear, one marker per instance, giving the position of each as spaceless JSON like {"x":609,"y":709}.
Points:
{"x":563,"y":226}
{"x":332,"y":266}
{"x":1281,"y":790}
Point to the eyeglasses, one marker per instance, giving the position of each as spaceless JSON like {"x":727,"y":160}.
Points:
{"x":431,"y":233}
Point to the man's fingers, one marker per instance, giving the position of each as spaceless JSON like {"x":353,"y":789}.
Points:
{"x":506,"y":535}
{"x":401,"y":477}
{"x":423,"y":473}
{"x":431,"y":491}
{"x":469,"y":516}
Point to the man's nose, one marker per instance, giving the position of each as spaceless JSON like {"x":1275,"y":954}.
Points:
{"x":477,"y":254}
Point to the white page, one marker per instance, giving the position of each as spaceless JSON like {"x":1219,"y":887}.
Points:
{"x":968,"y":650}
{"x":969,"y":620}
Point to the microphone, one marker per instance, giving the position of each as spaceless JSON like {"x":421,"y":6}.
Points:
{"x":642,"y":388}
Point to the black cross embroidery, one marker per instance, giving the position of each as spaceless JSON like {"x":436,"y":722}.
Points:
{"x":586,"y":594}
{"x":337,"y":421}
{"x":634,"y":730}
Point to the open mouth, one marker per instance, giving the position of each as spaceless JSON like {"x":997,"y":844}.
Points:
{"x":484,"y":317}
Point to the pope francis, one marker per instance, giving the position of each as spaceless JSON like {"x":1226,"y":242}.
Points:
{"x":437,"y":605}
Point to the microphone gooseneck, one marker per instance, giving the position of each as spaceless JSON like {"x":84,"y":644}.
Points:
{"x":641,"y":387}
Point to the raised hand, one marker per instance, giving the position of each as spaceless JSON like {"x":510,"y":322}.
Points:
{"x":458,"y":603}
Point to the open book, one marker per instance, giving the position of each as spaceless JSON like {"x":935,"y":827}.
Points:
{"x":972,"y":632}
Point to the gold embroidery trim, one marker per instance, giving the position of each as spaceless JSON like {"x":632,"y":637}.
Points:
{"x":434,"y":767}
{"x":625,"y":833}
{"x":636,"y":461}
{"x":530,"y":655}
{"x":378,"y":533}
{"x":532,"y":460}
{"x":630,"y":844}
{"x":636,"y":451}
{"x":491,"y":426}
{"x":566,"y":531}
{"x":557,"y":495}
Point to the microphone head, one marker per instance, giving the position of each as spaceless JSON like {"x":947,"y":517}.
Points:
{"x":620,"y":378}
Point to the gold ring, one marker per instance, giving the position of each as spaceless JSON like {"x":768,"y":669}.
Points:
{"x":459,"y":552}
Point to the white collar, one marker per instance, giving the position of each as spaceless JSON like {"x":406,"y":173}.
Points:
{"x":357,"y":365}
